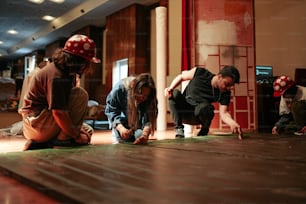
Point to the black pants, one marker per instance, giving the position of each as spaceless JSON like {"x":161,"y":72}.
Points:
{"x":183,"y":112}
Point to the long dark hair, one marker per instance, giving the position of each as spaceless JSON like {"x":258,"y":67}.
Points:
{"x":150,"y":105}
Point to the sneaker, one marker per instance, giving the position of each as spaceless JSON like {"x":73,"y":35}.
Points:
{"x":299,"y":133}
{"x":64,"y":143}
{"x":179,"y":133}
{"x":32,"y":145}
{"x":203,"y":132}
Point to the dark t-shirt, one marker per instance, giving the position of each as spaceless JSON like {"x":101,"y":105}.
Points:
{"x":199,"y":89}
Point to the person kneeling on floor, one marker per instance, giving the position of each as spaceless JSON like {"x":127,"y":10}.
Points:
{"x":194,"y":105}
{"x":131,"y":109}
{"x":292,"y":107}
{"x":54,"y":106}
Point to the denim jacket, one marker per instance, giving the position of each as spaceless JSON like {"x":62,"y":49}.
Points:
{"x":116,"y":107}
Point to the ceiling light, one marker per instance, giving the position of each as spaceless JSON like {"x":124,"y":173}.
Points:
{"x":37,"y":1}
{"x":13,"y":32}
{"x":1,"y":42}
{"x":48,"y":18}
{"x":58,"y":1}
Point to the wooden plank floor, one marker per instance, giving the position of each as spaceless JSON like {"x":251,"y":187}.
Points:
{"x":258,"y":169}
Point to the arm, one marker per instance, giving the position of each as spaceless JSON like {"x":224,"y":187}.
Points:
{"x":64,"y":121}
{"x":281,"y":123}
{"x":146,"y":127}
{"x":284,"y":118}
{"x":114,"y":109}
{"x":227,"y":118}
{"x":115,"y":105}
{"x":124,"y":132}
{"x":69,"y":130}
{"x":143,"y":139}
{"x":185,"y":75}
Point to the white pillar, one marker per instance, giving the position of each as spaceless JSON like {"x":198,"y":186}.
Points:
{"x":161,"y":66}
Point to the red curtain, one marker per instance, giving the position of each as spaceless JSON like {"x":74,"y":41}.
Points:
{"x":186,"y":34}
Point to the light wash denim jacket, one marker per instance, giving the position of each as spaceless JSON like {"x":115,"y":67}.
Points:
{"x":116,"y":106}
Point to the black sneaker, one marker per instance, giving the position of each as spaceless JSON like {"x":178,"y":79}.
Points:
{"x":203,"y":132}
{"x":32,"y":145}
{"x":179,"y":133}
{"x":64,"y":143}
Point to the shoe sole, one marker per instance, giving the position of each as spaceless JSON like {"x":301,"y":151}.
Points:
{"x":179,"y":136}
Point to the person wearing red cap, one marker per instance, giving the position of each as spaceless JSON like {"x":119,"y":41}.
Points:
{"x":292,"y":107}
{"x":53,"y":106}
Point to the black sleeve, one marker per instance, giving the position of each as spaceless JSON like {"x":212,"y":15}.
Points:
{"x":225,"y":98}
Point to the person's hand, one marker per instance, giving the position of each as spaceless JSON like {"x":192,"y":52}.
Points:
{"x":168,"y":92}
{"x":124,"y":133}
{"x":84,"y":137}
{"x":142,"y":140}
{"x":238,"y":130}
{"x":274,"y":131}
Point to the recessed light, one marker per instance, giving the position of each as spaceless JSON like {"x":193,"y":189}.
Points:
{"x":48,"y":18}
{"x":58,"y":1}
{"x":1,"y":42}
{"x":37,"y":1}
{"x":13,"y":32}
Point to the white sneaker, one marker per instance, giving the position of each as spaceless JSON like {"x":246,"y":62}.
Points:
{"x":179,"y":133}
{"x":299,"y":133}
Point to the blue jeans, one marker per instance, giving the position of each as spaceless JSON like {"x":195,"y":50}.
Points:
{"x":118,"y":139}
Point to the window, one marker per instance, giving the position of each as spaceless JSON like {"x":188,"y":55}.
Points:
{"x":120,"y":70}
{"x":29,"y":64}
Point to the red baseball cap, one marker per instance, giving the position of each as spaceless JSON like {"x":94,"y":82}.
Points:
{"x":281,"y":84}
{"x":82,"y":46}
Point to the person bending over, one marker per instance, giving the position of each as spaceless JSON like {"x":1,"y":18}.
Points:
{"x":131,"y":108}
{"x":193,"y":106}
{"x":292,"y":107}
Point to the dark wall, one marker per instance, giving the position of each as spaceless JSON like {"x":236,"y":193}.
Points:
{"x":3,"y":64}
{"x":93,"y":79}
{"x":127,"y":36}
